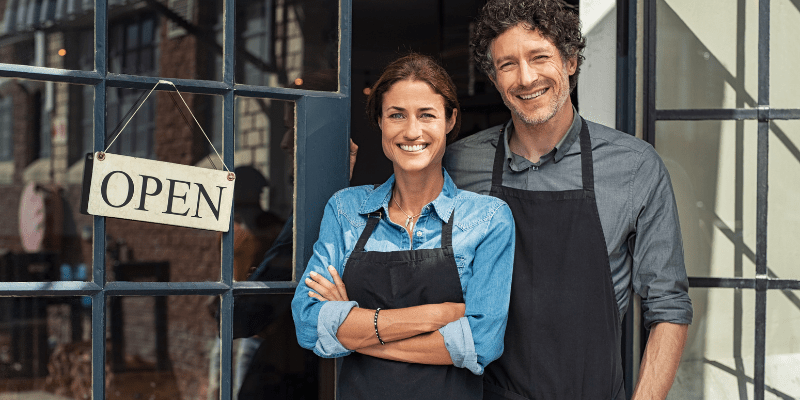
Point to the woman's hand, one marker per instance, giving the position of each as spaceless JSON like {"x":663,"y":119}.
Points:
{"x":323,"y":289}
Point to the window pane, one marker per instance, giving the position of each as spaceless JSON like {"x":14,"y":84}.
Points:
{"x":170,"y":39}
{"x":268,"y":362}
{"x":717,"y":361}
{"x":264,"y":191}
{"x":40,"y":180}
{"x":782,"y":217}
{"x":288,"y":44}
{"x":162,"y":131}
{"x":54,"y":34}
{"x":784,"y":27}
{"x":707,"y":54}
{"x":45,"y":347}
{"x":712,"y":165}
{"x":783,"y":343}
{"x":160,"y":347}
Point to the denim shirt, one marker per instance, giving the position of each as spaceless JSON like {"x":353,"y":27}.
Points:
{"x":483,"y":245}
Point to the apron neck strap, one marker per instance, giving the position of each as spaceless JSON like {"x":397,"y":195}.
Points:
{"x":372,"y":222}
{"x":375,"y":217}
{"x":587,"y":167}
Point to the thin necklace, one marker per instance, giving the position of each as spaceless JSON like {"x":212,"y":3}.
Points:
{"x":409,"y":218}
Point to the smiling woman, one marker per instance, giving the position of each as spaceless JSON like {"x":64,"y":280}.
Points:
{"x":409,"y":280}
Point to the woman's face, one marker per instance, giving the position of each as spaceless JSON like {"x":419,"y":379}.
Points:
{"x":414,"y":126}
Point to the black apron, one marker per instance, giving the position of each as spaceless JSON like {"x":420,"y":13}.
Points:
{"x":563,"y":334}
{"x":400,"y":279}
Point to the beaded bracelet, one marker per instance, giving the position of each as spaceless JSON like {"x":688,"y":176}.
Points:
{"x":375,"y":321}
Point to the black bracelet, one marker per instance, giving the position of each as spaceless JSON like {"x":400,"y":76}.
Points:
{"x":375,"y":321}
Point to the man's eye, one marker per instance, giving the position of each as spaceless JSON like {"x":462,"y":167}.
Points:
{"x":506,"y":66}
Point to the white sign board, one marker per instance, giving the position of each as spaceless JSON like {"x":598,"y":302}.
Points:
{"x":154,"y":191}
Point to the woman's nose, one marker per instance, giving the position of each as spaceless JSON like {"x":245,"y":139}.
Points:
{"x":414,"y":129}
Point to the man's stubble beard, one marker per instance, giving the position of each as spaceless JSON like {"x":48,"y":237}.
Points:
{"x":555,"y":103}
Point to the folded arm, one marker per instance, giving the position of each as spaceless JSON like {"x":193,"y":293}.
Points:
{"x":358,"y":329}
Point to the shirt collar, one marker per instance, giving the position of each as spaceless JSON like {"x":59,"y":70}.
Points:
{"x":443,"y":204}
{"x":561,"y":147}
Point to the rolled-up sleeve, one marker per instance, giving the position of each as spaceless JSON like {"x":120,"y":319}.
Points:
{"x":477,"y":339}
{"x":659,"y":272}
{"x":316,"y":322}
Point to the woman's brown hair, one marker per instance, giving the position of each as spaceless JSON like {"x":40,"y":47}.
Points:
{"x":416,"y":67}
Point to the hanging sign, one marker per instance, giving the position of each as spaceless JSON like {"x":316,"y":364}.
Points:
{"x":155,"y":191}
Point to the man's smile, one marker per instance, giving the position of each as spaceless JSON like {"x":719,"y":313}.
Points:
{"x":533,"y":95}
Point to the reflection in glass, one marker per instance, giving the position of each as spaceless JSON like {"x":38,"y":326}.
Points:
{"x":783,"y":344}
{"x":784,"y":26}
{"x":717,"y":361}
{"x":782,"y":217}
{"x":165,"y":38}
{"x":45,"y":347}
{"x":268,"y":362}
{"x":280,"y":43}
{"x":707,"y":54}
{"x":159,"y":347}
{"x":264,"y":191}
{"x":53,"y":34}
{"x":43,"y":126}
{"x":179,"y":254}
{"x":712,"y":165}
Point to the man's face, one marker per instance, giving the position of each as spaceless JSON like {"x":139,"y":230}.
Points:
{"x":530,"y":74}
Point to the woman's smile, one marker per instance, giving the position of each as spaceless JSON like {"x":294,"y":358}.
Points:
{"x":412,"y":148}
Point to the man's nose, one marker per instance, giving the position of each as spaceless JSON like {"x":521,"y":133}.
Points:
{"x":527,"y":75}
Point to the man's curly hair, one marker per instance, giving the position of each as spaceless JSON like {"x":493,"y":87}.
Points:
{"x":554,"y":19}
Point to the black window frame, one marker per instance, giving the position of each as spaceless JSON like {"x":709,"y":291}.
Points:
{"x":322,"y":129}
{"x":764,"y":114}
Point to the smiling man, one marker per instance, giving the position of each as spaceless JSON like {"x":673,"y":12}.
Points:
{"x":595,"y":215}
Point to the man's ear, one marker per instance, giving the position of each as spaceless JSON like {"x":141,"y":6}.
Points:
{"x":572,"y":65}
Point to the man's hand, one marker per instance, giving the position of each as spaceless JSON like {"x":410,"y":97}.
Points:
{"x":353,"y":154}
{"x":660,"y":361}
{"x":324,"y":290}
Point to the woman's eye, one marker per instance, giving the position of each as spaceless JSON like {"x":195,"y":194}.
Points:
{"x":396,"y":116}
{"x":426,"y":115}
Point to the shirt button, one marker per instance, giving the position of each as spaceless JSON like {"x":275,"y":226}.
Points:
{"x":419,"y":233}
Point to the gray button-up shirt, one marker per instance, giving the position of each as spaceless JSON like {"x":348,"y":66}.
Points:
{"x":634,"y":198}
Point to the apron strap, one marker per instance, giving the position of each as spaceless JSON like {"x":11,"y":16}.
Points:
{"x":374,"y":218}
{"x":587,"y":167}
{"x":447,"y":232}
{"x":499,"y":157}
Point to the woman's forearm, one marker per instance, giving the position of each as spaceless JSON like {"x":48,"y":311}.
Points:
{"x":427,"y":348}
{"x":358,"y":329}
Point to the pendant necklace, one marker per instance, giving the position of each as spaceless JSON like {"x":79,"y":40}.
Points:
{"x":409,"y":218}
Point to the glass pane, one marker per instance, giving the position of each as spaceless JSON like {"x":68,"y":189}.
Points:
{"x":717,"y":362}
{"x":166,"y":38}
{"x":783,"y":344}
{"x":42,"y":131}
{"x":288,"y":44}
{"x":784,"y":26}
{"x":782,"y":216}
{"x":48,"y":33}
{"x":264,"y":192}
{"x":164,"y":130}
{"x":45,"y":348}
{"x":712,"y":165}
{"x":161,"y":347}
{"x":268,"y":362}
{"x":707,"y":54}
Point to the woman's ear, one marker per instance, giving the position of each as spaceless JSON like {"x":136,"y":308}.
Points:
{"x":380,"y":122}
{"x":451,"y":122}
